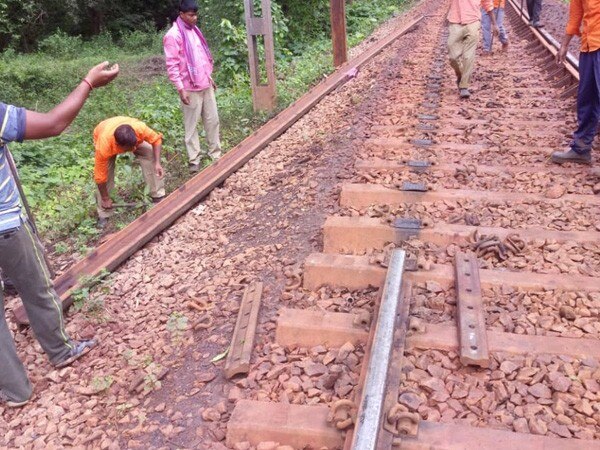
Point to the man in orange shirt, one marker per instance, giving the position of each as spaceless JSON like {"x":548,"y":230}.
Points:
{"x":464,"y":17}
{"x":119,"y":135}
{"x":486,"y":27}
{"x":584,"y":12}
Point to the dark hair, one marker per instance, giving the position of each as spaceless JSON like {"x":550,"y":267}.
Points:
{"x":125,"y":136}
{"x":188,"y":5}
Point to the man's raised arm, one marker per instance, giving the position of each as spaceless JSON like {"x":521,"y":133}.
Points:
{"x":42,"y":125}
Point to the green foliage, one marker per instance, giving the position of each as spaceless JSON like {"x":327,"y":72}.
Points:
{"x":84,"y":298}
{"x":233,"y":54}
{"x":102,"y":383}
{"x":176,"y":326}
{"x":61,"y":45}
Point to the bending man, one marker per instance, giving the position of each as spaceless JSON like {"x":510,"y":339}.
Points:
{"x":21,"y":253}
{"x":119,"y":135}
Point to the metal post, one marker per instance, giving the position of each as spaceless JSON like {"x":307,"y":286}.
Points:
{"x":368,"y":424}
{"x":264,"y":94}
{"x":15,"y":174}
{"x":338,"y":32}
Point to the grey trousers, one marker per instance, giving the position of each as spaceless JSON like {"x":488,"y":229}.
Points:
{"x":203,"y":105}
{"x":145,"y":157}
{"x":21,"y":259}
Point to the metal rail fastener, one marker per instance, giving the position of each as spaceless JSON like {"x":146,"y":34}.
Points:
{"x":368,"y":424}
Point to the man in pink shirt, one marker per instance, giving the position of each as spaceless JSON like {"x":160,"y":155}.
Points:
{"x":465,"y":21}
{"x":190,"y":66}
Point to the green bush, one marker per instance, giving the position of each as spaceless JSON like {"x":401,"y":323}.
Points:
{"x":61,"y":45}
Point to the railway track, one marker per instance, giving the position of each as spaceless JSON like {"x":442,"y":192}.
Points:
{"x":454,"y":303}
{"x":485,"y":333}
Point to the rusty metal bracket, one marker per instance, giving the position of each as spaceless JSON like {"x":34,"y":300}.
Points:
{"x":242,"y":342}
{"x":471,"y":319}
{"x":264,"y":92}
{"x":342,"y":414}
{"x":400,"y":422}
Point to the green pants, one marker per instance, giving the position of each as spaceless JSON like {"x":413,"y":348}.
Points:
{"x":21,"y":259}
{"x":462,"y":45}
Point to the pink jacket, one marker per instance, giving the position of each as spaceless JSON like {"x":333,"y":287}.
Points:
{"x":465,"y":12}
{"x":176,"y":64}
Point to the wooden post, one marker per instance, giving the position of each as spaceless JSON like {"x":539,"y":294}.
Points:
{"x":338,"y":32}
{"x":264,"y":92}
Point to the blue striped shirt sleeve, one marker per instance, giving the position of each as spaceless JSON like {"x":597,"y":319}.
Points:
{"x":12,"y":123}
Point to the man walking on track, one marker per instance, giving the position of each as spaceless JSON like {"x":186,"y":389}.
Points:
{"x":584,"y":12}
{"x":21,"y":253}
{"x":486,"y":27}
{"x":119,"y":135}
{"x":464,"y":17}
{"x":190,"y":66}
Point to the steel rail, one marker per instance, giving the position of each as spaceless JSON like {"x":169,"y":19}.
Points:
{"x":130,"y":239}
{"x":368,"y":424}
{"x":571,"y":63}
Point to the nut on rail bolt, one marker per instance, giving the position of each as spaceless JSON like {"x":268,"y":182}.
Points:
{"x":400,"y":422}
{"x":362,"y":318}
{"x":342,"y":414}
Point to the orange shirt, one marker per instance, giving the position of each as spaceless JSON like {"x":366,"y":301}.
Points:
{"x":499,"y":3}
{"x":588,"y":13}
{"x":107,"y":148}
{"x":465,"y":12}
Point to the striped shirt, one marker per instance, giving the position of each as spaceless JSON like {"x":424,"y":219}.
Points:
{"x":12,"y":128}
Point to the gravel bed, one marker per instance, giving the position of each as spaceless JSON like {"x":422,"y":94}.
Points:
{"x":303,"y":376}
{"x":540,"y":256}
{"x":467,"y":177}
{"x":540,"y":313}
{"x":332,"y":300}
{"x":567,"y":216}
{"x":544,"y":395}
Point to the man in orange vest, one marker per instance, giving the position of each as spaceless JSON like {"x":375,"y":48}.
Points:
{"x":119,"y":135}
{"x":486,"y":27}
{"x":584,"y":12}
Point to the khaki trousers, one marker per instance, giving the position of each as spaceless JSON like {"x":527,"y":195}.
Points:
{"x":203,"y":105}
{"x":144,"y":155}
{"x":462,"y":45}
{"x":22,"y":260}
